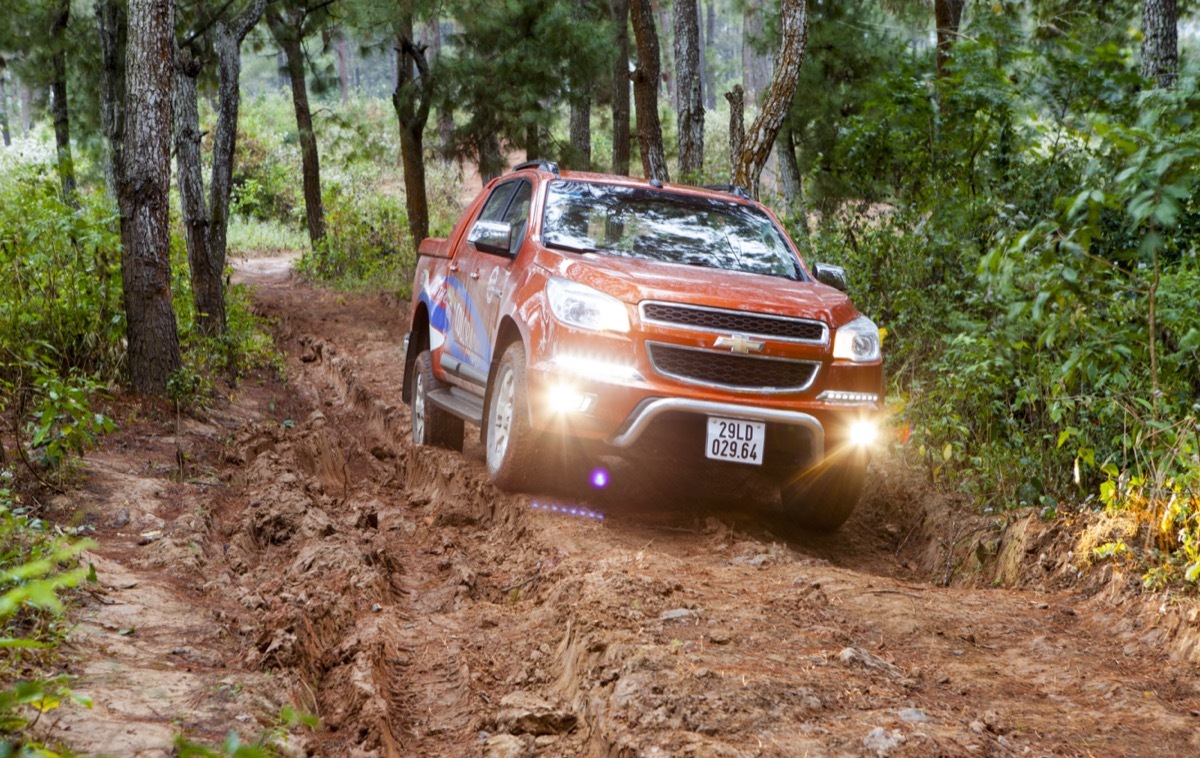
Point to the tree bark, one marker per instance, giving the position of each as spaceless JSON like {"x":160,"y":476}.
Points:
{"x":645,"y":91}
{"x":948,"y":18}
{"x":710,"y":31}
{"x":737,"y":123}
{"x":111,"y":23}
{"x":789,"y":171}
{"x":620,"y":99}
{"x":59,"y":16}
{"x":4,"y":132}
{"x":144,"y":198}
{"x":227,"y":43}
{"x":581,"y":132}
{"x":756,"y":146}
{"x":445,"y":112}
{"x":343,"y":68}
{"x":26,"y":97}
{"x":287,"y":34}
{"x":207,"y":296}
{"x":690,"y":89}
{"x":1160,"y":42}
{"x":755,"y":66}
{"x":411,"y":101}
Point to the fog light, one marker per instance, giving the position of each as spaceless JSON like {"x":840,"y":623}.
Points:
{"x":863,"y":433}
{"x":565,"y":399}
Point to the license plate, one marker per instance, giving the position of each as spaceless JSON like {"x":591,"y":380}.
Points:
{"x":731,"y":439}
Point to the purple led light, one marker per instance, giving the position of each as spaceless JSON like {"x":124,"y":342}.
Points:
{"x":599,"y":478}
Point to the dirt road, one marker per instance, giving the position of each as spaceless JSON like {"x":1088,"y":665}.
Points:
{"x":418,"y":611}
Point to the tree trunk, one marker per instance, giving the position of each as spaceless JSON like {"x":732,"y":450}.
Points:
{"x":533,"y":146}
{"x":411,"y":101}
{"x":710,"y":80}
{"x":26,"y":97}
{"x":645,"y":92}
{"x":1160,"y":43}
{"x":207,"y":296}
{"x":756,"y":146}
{"x":690,"y":85}
{"x":665,"y":64}
{"x":59,"y":16}
{"x":4,"y":133}
{"x":737,"y":123}
{"x":789,"y":171}
{"x":110,"y":18}
{"x":445,"y":113}
{"x":948,"y":18}
{"x":144,"y":198}
{"x":581,"y":132}
{"x":755,"y":66}
{"x":620,"y":99}
{"x":227,"y":43}
{"x":288,"y":36}
{"x":343,"y":68}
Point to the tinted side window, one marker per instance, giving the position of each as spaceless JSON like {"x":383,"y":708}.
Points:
{"x":518,"y":214}
{"x":493,"y":209}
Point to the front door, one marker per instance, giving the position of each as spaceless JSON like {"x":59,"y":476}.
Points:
{"x":483,"y":275}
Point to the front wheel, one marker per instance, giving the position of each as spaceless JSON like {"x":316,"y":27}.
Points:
{"x":510,"y":446}
{"x":823,"y":497}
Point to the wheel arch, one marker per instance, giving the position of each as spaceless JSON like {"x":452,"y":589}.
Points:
{"x":418,"y":341}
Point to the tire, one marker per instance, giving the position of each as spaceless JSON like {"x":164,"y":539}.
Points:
{"x":510,"y":447}
{"x":432,"y":426}
{"x":823,"y":497}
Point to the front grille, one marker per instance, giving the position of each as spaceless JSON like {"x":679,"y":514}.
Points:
{"x":740,"y":322}
{"x":741,"y":372}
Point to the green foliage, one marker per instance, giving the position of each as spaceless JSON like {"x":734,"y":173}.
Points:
{"x":270,"y":743}
{"x":511,"y":58}
{"x":264,"y":184}
{"x":31,"y":613}
{"x":366,"y":242}
{"x":1025,"y":230}
{"x":63,"y":422}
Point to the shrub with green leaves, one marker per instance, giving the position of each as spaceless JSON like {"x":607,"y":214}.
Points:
{"x":1026,"y":232}
{"x":366,"y":244}
{"x":32,"y":576}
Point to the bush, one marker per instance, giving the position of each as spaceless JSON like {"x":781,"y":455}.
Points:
{"x":31,"y":613}
{"x":366,"y":243}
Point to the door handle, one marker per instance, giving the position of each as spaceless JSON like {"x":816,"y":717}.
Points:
{"x":454,"y":267}
{"x":474,"y":274}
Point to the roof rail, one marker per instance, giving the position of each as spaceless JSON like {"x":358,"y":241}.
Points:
{"x":732,"y":189}
{"x":541,"y":163}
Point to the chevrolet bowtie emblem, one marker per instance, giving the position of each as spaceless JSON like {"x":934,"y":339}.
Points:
{"x":739,"y":344}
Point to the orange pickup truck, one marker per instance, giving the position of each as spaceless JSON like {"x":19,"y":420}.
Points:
{"x":574,"y":314}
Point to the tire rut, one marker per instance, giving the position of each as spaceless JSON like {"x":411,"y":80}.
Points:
{"x":425,"y":612}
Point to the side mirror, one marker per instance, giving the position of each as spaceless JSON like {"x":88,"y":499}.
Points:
{"x":834,"y":276}
{"x":493,"y":237}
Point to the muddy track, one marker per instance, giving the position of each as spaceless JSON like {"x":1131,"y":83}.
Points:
{"x":424,"y":612}
{"x":417,"y":610}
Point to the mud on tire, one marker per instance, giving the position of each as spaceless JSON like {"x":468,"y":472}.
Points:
{"x":823,"y":497}
{"x":510,"y":447}
{"x":432,"y":425}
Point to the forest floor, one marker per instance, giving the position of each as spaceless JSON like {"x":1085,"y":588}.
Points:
{"x":288,"y":545}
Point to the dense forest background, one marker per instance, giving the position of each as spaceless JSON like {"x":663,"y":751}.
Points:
{"x":1010,"y":184}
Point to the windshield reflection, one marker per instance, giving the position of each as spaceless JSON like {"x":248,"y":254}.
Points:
{"x":587,"y":217}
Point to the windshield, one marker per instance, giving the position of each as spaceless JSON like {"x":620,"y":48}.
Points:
{"x":665,"y":226}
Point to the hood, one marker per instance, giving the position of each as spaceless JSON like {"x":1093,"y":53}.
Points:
{"x":633,"y":280}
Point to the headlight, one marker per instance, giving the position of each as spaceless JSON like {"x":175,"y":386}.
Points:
{"x":857,"y":341}
{"x":577,"y":305}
